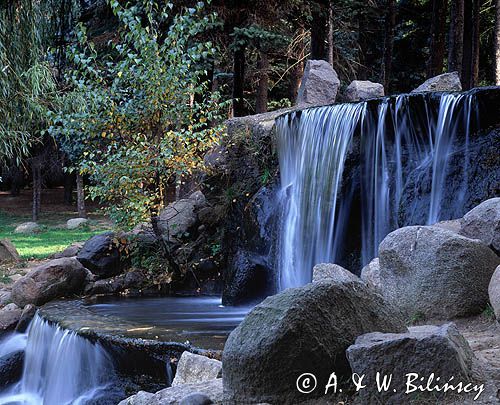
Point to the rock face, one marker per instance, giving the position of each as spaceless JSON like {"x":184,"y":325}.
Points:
{"x":435,"y":273}
{"x":74,"y":223}
{"x":9,"y":317}
{"x":193,"y":368}
{"x":483,"y":222}
{"x":8,"y":252}
{"x":297,"y":331}
{"x":100,"y":256}
{"x":332,"y":272}
{"x":320,"y":84}
{"x":27,"y":227}
{"x":444,"y":82}
{"x":494,"y":292}
{"x":360,"y":90}
{"x":54,"y":279}
{"x":173,"y":395}
{"x":424,"y":350}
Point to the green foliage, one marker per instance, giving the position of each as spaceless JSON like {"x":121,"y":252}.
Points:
{"x":139,"y":119}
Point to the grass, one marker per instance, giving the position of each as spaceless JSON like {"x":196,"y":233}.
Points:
{"x":53,"y":238}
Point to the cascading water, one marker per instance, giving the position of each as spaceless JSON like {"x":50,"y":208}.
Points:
{"x":395,"y":138}
{"x":60,"y":367}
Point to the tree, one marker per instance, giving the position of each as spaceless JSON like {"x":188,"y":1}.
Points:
{"x":390,"y":25}
{"x":497,"y":43}
{"x":134,"y":125}
{"x":456,"y":36}
{"x":437,"y":44}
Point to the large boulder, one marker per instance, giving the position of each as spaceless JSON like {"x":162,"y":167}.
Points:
{"x":360,"y":90}
{"x":100,"y":255}
{"x":494,"y":292}
{"x":54,"y":279}
{"x":483,"y":222}
{"x":370,"y":274}
{"x":432,"y":272}
{"x":424,"y":350}
{"x":320,"y":84}
{"x":332,"y":272}
{"x":27,"y":227}
{"x":8,"y":252}
{"x":444,"y":82}
{"x":300,"y":330}
{"x":75,"y":223}
{"x":173,"y":395}
{"x":193,"y":368}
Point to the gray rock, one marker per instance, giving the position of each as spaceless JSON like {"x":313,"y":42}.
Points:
{"x":431,"y":272}
{"x":360,"y":90}
{"x":54,"y":279}
{"x":8,"y":252}
{"x":11,"y":368}
{"x":193,"y":368}
{"x":424,"y":350}
{"x":71,"y":251}
{"x":494,"y":292}
{"x":370,"y":274}
{"x":9,"y":317}
{"x":332,"y":272}
{"x":134,"y":279}
{"x":101,"y":256}
{"x":173,"y":395}
{"x":27,"y":315}
{"x":5,"y":296}
{"x":27,"y":227}
{"x":74,"y":223}
{"x":444,"y":82}
{"x":320,"y":84}
{"x":483,"y":222}
{"x":300,"y":330}
{"x":196,"y":399}
{"x":453,"y":225}
{"x":178,"y":219}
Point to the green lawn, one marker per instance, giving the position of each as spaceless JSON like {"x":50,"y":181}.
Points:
{"x":54,"y":236}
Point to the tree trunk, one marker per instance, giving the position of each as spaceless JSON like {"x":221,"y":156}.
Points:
{"x":474,"y":81}
{"x":36,"y":168}
{"x":16,"y":176}
{"x":497,"y":44}
{"x":263,"y":85}
{"x":298,"y":69}
{"x":331,"y":45}
{"x":437,"y":39}
{"x":69,"y":184}
{"x":390,"y":24}
{"x":467,"y":62}
{"x":239,"y":83}
{"x":456,"y":37}
{"x":174,"y":267}
{"x":318,"y":30}
{"x":80,"y":196}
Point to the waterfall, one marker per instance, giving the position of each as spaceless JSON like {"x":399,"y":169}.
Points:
{"x":60,"y":367}
{"x":390,"y":138}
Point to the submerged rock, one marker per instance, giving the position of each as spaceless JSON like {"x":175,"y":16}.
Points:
{"x":483,"y":222}
{"x":444,"y":82}
{"x":494,"y":292}
{"x":332,"y":272}
{"x":194,"y":368}
{"x":319,"y":85}
{"x":100,"y":255}
{"x":8,"y":252}
{"x":300,"y":330}
{"x":360,"y":90}
{"x":431,"y":272}
{"x":54,"y":279}
{"x":423,"y":350}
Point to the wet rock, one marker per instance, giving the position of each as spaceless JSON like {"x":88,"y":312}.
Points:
{"x":27,"y":315}
{"x":193,"y":368}
{"x":75,"y":223}
{"x":483,"y":222}
{"x":332,"y":272}
{"x":71,"y":251}
{"x":27,"y":227}
{"x":424,"y":350}
{"x":173,"y":395}
{"x":444,"y":82}
{"x":431,"y":272}
{"x":360,"y":90}
{"x":319,"y":85}
{"x":100,"y":255}
{"x":8,"y":252}
{"x":370,"y":274}
{"x":297,"y":331}
{"x":9,"y":317}
{"x":494,"y":292}
{"x":134,"y":279}
{"x":11,"y":368}
{"x":196,"y":399}
{"x":54,"y":279}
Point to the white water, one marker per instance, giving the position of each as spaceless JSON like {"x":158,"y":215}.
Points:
{"x":394,"y":140}
{"x":60,"y":367}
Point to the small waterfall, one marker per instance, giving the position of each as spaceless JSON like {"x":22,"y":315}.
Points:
{"x":60,"y":367}
{"x":390,"y":138}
